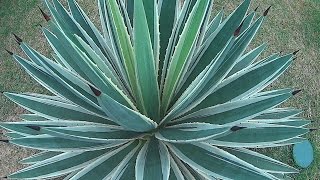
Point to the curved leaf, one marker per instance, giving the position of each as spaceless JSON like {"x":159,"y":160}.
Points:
{"x":50,"y":143}
{"x":153,"y":161}
{"x":184,"y":46}
{"x":106,"y":165}
{"x":55,"y":110}
{"x":261,"y":161}
{"x":144,"y":55}
{"x":216,"y":162}
{"x":190,"y":132}
{"x":39,"y":157}
{"x":58,"y":165}
{"x":93,"y":133}
{"x":233,"y":113}
{"x":259,"y":134}
{"x":125,"y":117}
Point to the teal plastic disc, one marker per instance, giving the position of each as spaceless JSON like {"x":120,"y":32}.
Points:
{"x":303,"y":154}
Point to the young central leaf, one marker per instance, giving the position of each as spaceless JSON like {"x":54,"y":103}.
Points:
{"x":148,"y":99}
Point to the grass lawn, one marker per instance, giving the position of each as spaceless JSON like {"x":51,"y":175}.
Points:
{"x":291,"y":25}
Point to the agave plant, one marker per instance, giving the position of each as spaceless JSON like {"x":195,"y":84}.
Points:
{"x":163,"y":91}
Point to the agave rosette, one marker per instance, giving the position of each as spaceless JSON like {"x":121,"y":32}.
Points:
{"x":164,"y":91}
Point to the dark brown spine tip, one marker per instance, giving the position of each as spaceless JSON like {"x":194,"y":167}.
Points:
{"x":256,"y":9}
{"x":236,"y":128}
{"x":46,"y":16}
{"x":4,"y":140}
{"x":266,"y":11}
{"x":95,"y":91}
{"x":294,"y":58}
{"x":36,"y":128}
{"x":18,"y":39}
{"x":296,"y":92}
{"x":313,"y":129}
{"x":11,"y":53}
{"x":4,"y":177}
{"x":238,"y":30}
{"x":296,"y":52}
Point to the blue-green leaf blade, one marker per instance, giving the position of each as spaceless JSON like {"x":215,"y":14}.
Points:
{"x":145,"y":64}
{"x":125,"y":117}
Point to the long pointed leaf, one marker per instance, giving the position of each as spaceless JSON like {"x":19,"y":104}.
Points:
{"x":215,"y":162}
{"x":261,"y":161}
{"x":92,"y":133}
{"x":183,"y":49}
{"x":125,"y":117}
{"x":153,"y":161}
{"x":217,"y":40}
{"x":58,"y":165}
{"x":104,"y":167}
{"x":190,"y":132}
{"x":49,"y":143}
{"x":54,"y":109}
{"x":145,"y":64}
{"x":236,"y":112}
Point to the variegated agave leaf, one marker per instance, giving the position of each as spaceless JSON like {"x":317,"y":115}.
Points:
{"x":164,"y":91}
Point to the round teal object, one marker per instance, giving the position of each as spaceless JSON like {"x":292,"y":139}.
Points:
{"x":303,"y":154}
